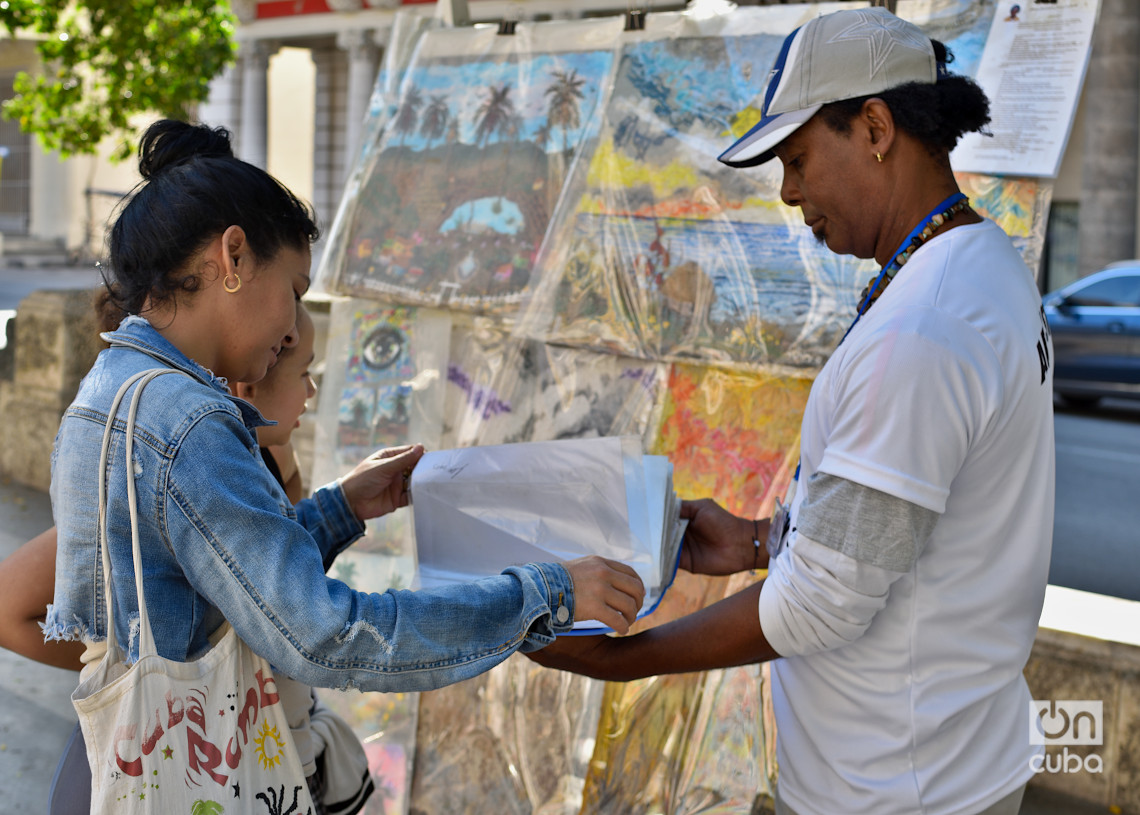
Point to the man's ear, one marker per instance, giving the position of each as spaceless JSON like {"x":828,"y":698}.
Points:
{"x":879,"y":123}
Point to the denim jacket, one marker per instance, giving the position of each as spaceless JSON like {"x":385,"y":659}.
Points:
{"x":220,"y":541}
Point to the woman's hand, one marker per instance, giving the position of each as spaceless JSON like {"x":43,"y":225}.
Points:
{"x":379,"y":484}
{"x":605,"y":590}
{"x":718,"y":542}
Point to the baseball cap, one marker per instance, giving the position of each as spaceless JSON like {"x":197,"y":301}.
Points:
{"x":843,"y":55}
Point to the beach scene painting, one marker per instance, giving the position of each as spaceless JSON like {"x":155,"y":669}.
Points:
{"x":659,"y":251}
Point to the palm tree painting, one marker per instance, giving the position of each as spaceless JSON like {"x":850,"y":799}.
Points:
{"x":565,"y":97}
{"x":409,"y":112}
{"x":454,"y":205}
{"x":433,"y":123}
{"x":496,"y":113}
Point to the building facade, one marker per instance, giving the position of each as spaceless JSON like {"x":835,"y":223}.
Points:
{"x":297,"y":97}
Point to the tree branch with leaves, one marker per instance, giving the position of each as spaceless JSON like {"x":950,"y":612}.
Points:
{"x":107,"y":61}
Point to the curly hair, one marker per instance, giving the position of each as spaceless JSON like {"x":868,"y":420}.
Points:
{"x":937,"y":115}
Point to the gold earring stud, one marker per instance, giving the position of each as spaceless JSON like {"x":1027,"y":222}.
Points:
{"x":879,"y":156}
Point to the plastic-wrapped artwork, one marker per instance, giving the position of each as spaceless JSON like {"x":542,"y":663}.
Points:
{"x":659,"y":251}
{"x":513,"y":741}
{"x":407,"y":28}
{"x":386,"y":725}
{"x":1020,"y":206}
{"x":382,"y":386}
{"x":685,"y":743}
{"x":455,"y":200}
{"x":502,"y":390}
{"x":518,"y":739}
{"x":703,"y":742}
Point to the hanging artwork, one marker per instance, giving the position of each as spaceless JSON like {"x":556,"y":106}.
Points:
{"x":407,"y":28}
{"x":455,"y":201}
{"x":673,"y":298}
{"x":385,"y":723}
{"x":381,"y":387}
{"x":661,"y":252}
{"x":502,"y":389}
{"x":1020,"y":206}
{"x":703,"y":742}
{"x":685,"y":743}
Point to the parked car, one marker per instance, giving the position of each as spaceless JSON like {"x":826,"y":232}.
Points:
{"x":1096,"y":335}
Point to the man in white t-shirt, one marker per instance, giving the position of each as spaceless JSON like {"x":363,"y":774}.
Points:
{"x":904,"y":590}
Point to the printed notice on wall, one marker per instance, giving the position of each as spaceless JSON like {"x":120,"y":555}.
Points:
{"x":1032,"y":69}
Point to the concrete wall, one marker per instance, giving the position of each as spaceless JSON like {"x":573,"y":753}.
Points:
{"x":1067,"y":666}
{"x":54,"y":345}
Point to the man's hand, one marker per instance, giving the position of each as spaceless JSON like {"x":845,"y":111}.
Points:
{"x":605,"y":590}
{"x":718,"y":542}
{"x":379,"y":484}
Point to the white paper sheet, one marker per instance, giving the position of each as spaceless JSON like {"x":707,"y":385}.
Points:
{"x":479,"y":510}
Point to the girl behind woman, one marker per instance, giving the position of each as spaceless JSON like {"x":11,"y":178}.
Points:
{"x":210,"y":258}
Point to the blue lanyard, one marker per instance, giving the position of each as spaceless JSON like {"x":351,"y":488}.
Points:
{"x":945,"y":205}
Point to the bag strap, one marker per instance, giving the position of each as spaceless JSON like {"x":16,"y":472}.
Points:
{"x":146,"y":637}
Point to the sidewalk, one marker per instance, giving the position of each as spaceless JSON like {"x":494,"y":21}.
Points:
{"x":36,"y":716}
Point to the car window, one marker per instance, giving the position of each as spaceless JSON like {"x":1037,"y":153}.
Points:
{"x":1116,"y":291}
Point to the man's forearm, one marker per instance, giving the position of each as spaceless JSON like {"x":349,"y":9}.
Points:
{"x":722,"y":635}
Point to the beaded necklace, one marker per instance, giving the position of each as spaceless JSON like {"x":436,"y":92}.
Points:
{"x":918,"y":236}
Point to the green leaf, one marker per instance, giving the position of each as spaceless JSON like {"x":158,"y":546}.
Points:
{"x":106,"y":61}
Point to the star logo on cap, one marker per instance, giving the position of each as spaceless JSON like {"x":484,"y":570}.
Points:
{"x":883,"y":34}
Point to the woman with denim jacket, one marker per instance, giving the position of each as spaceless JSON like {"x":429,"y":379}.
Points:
{"x":210,"y":257}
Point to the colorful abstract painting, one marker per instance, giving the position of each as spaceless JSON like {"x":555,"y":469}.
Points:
{"x":1020,"y":206}
{"x":732,"y":436}
{"x":454,"y":203}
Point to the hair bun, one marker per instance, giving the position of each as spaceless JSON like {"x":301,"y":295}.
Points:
{"x":167,"y":143}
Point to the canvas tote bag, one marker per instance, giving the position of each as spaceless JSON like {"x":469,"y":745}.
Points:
{"x":203,"y":737}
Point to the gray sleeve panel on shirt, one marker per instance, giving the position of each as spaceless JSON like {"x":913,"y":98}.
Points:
{"x":865,"y":524}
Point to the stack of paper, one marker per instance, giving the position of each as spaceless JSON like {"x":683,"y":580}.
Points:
{"x":478,"y":510}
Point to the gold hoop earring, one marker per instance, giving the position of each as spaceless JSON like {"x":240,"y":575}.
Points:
{"x":879,"y":156}
{"x":226,"y":282}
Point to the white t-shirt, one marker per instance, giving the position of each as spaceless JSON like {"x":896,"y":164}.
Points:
{"x":941,"y":397}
